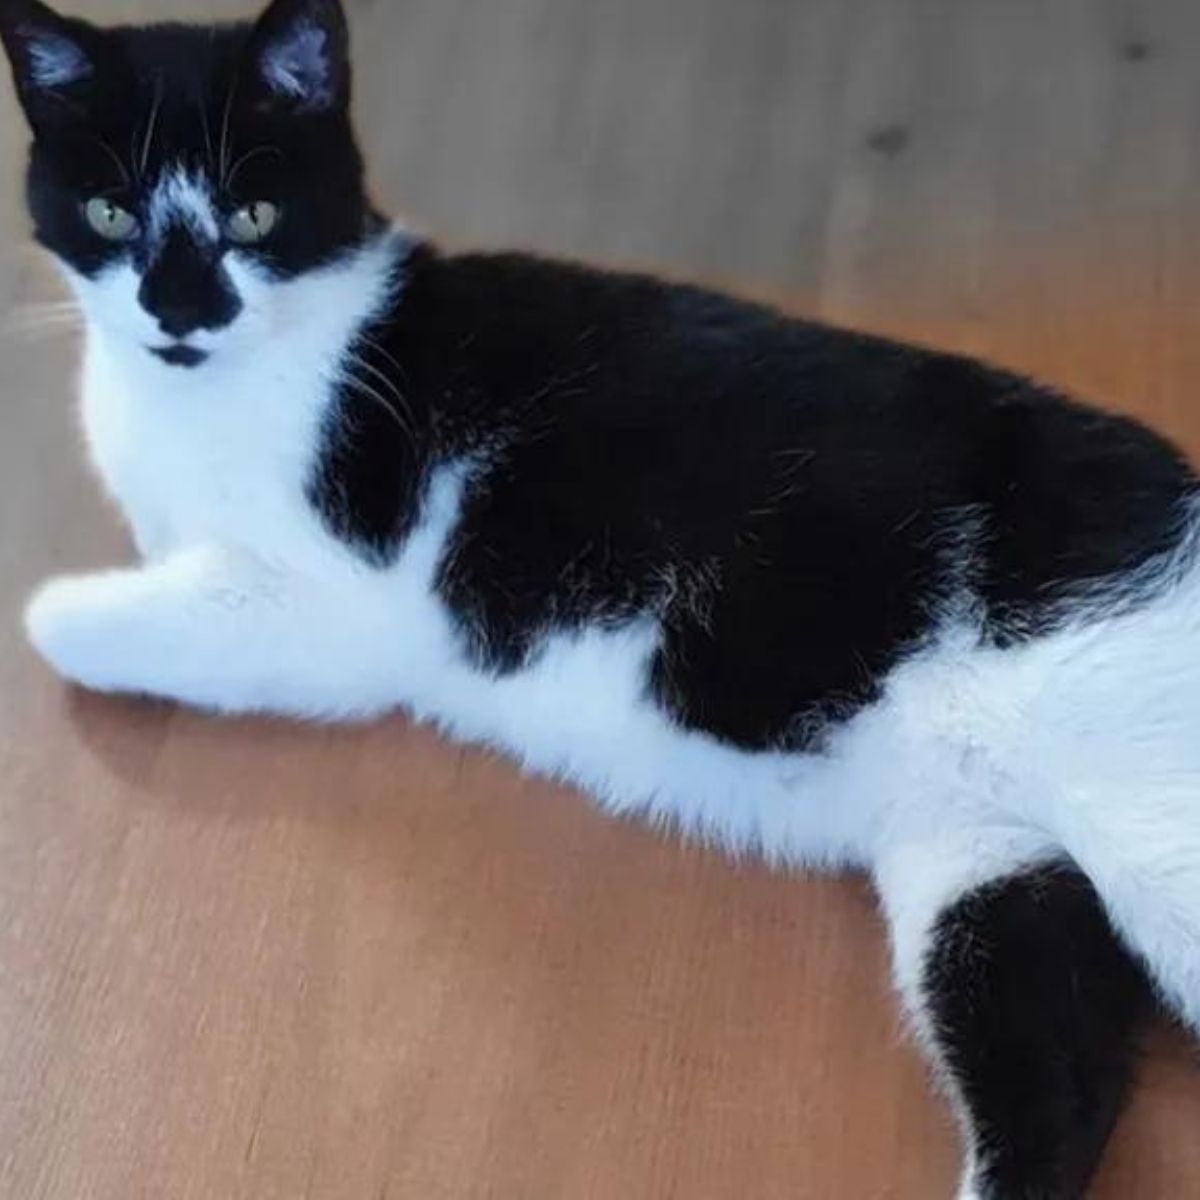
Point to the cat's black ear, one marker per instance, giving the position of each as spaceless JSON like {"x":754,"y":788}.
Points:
{"x":300,"y":55}
{"x":53,"y":58}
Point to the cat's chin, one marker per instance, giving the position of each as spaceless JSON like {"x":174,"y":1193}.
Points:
{"x":187,"y":357}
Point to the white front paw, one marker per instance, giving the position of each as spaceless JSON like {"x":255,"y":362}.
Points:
{"x":69,"y":624}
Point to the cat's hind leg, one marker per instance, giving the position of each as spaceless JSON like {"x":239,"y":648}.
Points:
{"x":1027,"y":1004}
{"x":1140,"y":844}
{"x":222,"y":630}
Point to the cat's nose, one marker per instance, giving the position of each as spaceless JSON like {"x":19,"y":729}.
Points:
{"x":184,"y":289}
{"x":181,"y":305}
{"x":179,"y":319}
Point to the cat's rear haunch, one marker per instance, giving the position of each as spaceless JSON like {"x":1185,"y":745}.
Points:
{"x":798,"y":591}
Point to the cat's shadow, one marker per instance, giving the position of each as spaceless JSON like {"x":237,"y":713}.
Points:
{"x":457,"y":831}
{"x":459,"y":841}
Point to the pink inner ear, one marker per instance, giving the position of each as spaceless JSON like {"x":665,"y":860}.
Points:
{"x":54,"y":61}
{"x":297,"y":65}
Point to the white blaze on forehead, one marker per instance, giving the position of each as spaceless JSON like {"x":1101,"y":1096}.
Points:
{"x":183,"y":199}
{"x":54,"y":61}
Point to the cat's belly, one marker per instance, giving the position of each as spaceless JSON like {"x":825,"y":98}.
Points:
{"x":581,"y":713}
{"x":964,"y":731}
{"x":950,"y":740}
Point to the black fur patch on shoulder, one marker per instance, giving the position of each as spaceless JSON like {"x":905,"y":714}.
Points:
{"x":375,"y":457}
{"x":1036,"y":1010}
{"x":797,"y":507}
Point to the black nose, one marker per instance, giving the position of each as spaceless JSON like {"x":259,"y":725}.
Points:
{"x":184,"y":289}
{"x":178,"y":319}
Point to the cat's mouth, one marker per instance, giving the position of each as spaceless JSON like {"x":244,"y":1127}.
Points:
{"x":179,"y":354}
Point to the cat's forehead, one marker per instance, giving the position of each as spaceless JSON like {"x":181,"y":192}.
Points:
{"x":174,"y":88}
{"x":184,"y":199}
{"x":195,"y":61}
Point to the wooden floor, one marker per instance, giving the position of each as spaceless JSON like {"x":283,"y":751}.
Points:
{"x":257,"y":962}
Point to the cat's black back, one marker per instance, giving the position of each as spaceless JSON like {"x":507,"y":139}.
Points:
{"x":799,"y":505}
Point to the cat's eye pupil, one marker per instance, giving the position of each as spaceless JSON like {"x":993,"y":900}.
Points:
{"x":110,"y":220}
{"x":252,"y":222}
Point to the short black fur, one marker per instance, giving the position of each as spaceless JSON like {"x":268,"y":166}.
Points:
{"x":1036,"y":1010}
{"x":798,"y":506}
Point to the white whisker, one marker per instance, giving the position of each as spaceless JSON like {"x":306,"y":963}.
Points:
{"x":353,"y":381}
{"x":381,"y":351}
{"x":29,"y":327}
{"x":204,"y":123}
{"x":226,"y":118}
{"x":35,"y":314}
{"x":389,"y":384}
{"x":207,"y":131}
{"x":151,"y":124}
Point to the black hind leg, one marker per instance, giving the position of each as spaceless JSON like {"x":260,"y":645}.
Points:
{"x":1031,"y":1011}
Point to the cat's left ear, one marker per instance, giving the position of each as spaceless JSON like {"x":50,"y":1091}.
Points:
{"x":300,"y":55}
{"x":53,"y":58}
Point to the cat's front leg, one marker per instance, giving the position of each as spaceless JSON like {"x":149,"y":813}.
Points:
{"x":219,"y":630}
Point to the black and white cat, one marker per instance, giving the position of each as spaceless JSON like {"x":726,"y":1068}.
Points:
{"x":802,"y":592}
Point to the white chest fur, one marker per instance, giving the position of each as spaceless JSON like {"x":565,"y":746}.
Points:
{"x":222,"y":452}
{"x":204,"y":456}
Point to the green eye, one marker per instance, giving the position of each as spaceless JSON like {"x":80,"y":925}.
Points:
{"x":110,"y":220}
{"x":252,"y":223}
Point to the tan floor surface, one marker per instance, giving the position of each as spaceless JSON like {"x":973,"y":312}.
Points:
{"x":260,"y":962}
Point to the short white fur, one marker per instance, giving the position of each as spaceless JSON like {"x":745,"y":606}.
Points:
{"x":183,"y":198}
{"x":975,"y":761}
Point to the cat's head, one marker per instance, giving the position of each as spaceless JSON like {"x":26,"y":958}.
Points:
{"x":183,"y":175}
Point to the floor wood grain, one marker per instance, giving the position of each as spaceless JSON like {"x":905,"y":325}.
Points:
{"x":253,"y":961}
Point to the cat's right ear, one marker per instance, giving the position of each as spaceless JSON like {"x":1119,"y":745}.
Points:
{"x":52,"y":57}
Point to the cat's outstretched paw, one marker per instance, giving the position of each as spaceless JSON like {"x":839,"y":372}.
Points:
{"x":68,"y":622}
